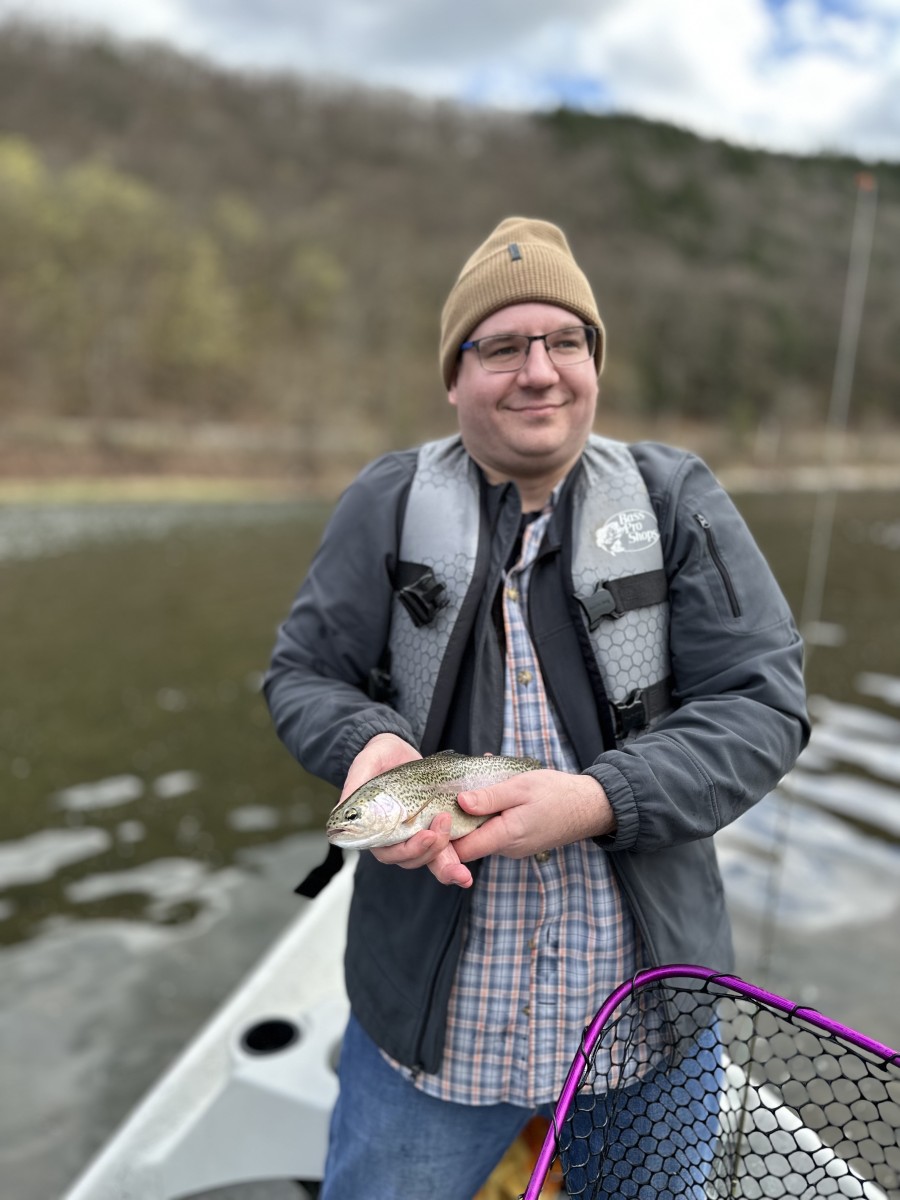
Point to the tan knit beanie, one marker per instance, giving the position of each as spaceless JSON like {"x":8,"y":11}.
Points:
{"x":521,"y":261}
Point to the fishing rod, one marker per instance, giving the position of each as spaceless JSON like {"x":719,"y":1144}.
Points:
{"x":839,"y":408}
{"x":812,"y":627}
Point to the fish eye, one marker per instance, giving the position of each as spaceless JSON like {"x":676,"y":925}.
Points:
{"x":352,"y":814}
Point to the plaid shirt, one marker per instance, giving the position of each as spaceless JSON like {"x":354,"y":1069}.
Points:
{"x":549,"y":936}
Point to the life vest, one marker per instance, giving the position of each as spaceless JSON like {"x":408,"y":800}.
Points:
{"x":617,"y":577}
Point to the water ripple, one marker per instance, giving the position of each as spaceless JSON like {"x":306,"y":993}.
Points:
{"x":30,"y":531}
{"x":38,"y":857}
{"x":102,"y":793}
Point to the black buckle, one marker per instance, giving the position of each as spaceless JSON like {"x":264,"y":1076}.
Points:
{"x":423,"y":598}
{"x":599,"y":604}
{"x":630,"y":714}
{"x":380,"y":686}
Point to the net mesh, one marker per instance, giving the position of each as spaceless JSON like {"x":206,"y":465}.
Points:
{"x":691,"y":1089}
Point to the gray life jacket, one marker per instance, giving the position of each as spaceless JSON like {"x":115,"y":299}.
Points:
{"x":617,"y":576}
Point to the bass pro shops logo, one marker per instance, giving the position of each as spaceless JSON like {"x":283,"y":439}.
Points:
{"x":627,"y":531}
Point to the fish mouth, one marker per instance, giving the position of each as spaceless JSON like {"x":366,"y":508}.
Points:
{"x":348,"y":838}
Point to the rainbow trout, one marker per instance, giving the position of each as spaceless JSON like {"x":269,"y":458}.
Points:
{"x":398,"y":803}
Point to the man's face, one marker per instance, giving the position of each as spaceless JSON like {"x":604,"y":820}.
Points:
{"x":531,"y":423}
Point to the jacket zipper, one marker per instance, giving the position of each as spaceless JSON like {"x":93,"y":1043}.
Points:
{"x":719,"y":564}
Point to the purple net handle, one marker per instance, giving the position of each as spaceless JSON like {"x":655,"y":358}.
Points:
{"x":643,"y":979}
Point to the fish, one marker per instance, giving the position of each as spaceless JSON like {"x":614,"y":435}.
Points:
{"x":399,"y":802}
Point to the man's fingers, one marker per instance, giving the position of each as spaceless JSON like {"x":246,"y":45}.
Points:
{"x":447,"y":869}
{"x":445,"y":864}
{"x":429,"y":848}
{"x":483,"y":841}
{"x":484,"y":801}
{"x":416,"y":851}
{"x":382,"y":752}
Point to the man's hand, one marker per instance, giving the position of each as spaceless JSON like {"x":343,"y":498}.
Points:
{"x":536,"y":811}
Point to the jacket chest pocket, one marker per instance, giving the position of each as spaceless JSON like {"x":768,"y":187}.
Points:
{"x":719,"y":564}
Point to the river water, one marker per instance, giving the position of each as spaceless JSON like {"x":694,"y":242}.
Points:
{"x":152,"y":828}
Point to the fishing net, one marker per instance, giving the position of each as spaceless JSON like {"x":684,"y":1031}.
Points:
{"x":697,"y":1085}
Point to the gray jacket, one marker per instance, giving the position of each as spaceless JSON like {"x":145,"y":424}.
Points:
{"x":740,"y":721}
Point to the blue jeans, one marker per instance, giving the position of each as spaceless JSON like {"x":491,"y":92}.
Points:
{"x":389,"y":1141}
{"x":655,"y":1140}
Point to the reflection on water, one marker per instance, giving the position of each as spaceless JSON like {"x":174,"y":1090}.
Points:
{"x":839,"y":744}
{"x":886,"y":533}
{"x":829,"y":839}
{"x":176,"y":783}
{"x":868,"y":804}
{"x":40,"y":856}
{"x":254,"y":817}
{"x":103,"y":793}
{"x":151,"y":821}
{"x":130,"y":698}
{"x":882,"y":687}
{"x":860,"y":872}
{"x":166,"y":881}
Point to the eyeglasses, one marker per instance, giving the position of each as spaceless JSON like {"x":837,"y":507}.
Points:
{"x":508,"y":351}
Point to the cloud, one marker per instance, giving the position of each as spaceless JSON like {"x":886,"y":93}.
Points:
{"x":151,"y":19}
{"x":795,"y":75}
{"x":698,"y":63}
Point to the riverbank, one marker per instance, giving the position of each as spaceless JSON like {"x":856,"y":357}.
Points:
{"x":79,"y":460}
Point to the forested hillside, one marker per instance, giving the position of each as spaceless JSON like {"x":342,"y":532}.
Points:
{"x":183,"y":242}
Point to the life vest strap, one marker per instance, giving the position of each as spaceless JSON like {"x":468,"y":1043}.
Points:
{"x":319,"y":876}
{"x":637,"y":710}
{"x":614,"y":597}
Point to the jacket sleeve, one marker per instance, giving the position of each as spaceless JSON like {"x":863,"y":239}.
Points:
{"x":337,"y":628}
{"x":737,"y":669}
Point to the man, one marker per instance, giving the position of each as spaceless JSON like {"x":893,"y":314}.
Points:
{"x":527,"y":588}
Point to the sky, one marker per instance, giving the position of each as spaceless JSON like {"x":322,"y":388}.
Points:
{"x":802,"y":76}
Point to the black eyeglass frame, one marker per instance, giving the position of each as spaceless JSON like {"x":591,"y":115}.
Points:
{"x":592,"y":330}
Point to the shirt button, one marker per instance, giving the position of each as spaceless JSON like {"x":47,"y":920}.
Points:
{"x":526,"y":1010}
{"x":542,"y":856}
{"x":524,"y":676}
{"x":512,"y":593}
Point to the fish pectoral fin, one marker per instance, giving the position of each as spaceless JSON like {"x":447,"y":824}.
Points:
{"x":412,"y":816}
